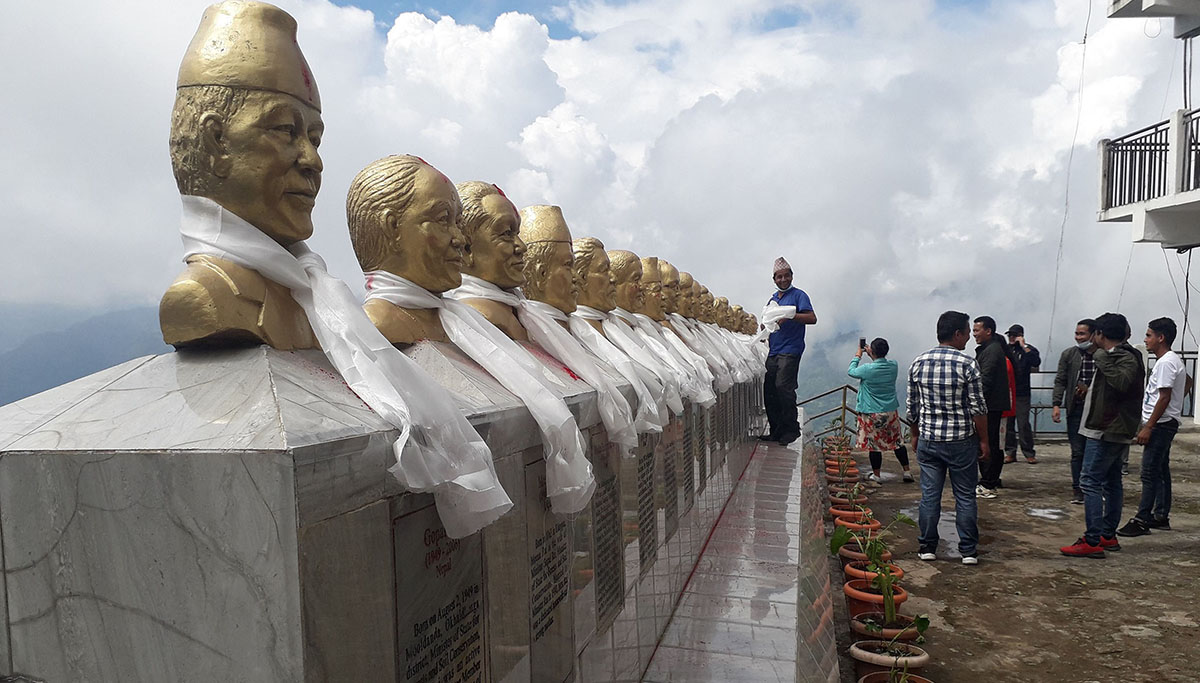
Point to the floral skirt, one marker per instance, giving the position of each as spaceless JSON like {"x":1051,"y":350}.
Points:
{"x":878,"y":432}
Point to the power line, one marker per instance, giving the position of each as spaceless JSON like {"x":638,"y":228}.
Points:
{"x":1062,"y":230}
{"x":1126,"y":278}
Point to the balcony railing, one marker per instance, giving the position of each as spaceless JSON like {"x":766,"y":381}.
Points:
{"x":1153,"y":162}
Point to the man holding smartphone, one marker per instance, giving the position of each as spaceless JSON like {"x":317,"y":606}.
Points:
{"x":1025,"y":359}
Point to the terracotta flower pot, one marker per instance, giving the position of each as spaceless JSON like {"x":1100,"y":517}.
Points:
{"x":885,"y":677}
{"x":860,"y":599}
{"x":867,"y":660}
{"x":867,"y":527}
{"x":858,"y":570}
{"x":850,"y":512}
{"x":851,"y":471}
{"x":836,"y":479}
{"x":851,"y":553}
{"x":858,"y":500}
{"x":904,"y":628}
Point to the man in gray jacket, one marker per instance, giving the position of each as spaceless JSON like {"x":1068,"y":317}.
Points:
{"x":1076,"y":368}
{"x":993,"y":367}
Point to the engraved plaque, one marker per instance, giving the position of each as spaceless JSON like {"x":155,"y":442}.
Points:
{"x":668,"y":462}
{"x":607,"y":548}
{"x":551,"y":621}
{"x":440,"y":609}
{"x":647,"y":519}
{"x":688,"y":458}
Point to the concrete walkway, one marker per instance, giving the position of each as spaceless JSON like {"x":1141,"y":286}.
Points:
{"x":750,"y":596}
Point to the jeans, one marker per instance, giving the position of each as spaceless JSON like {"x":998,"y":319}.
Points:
{"x":1103,"y":492}
{"x":989,"y":472}
{"x":779,"y":394}
{"x":1156,"y":472}
{"x":1077,"y":441}
{"x":1020,"y":423}
{"x":935,"y":459}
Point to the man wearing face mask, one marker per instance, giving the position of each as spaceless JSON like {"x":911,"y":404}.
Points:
{"x":1076,"y":368}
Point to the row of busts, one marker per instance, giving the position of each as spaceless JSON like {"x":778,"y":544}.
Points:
{"x":406,"y":218}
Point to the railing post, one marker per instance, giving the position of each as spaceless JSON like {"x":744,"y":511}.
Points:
{"x":1105,"y":204}
{"x":1176,"y":151}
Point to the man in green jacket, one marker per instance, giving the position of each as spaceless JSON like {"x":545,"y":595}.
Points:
{"x":1112,"y":414}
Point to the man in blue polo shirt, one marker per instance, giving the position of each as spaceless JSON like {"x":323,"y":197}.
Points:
{"x":783,"y":360}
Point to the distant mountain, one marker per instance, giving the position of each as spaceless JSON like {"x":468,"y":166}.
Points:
{"x":46,"y":359}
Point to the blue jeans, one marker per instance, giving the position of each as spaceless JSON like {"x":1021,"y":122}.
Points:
{"x":1077,"y":442}
{"x":959,"y":458}
{"x":1156,"y":472}
{"x":1103,"y":493}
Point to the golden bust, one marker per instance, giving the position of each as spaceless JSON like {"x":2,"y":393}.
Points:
{"x":403,"y":217}
{"x":549,"y":261}
{"x":721,"y":312}
{"x":593,"y":276}
{"x":685,"y":304}
{"x":652,"y":296}
{"x":494,"y":251}
{"x":244,"y":133}
{"x":737,"y":318}
{"x":627,"y":276}
{"x":670,"y":286}
{"x":704,"y":305}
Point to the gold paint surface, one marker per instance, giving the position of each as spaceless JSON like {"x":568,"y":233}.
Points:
{"x":685,"y":304}
{"x":670,"y":286}
{"x":494,"y":250}
{"x":593,"y":275}
{"x":652,"y":294}
{"x":403,"y":217}
{"x":627,"y":277}
{"x":549,"y":259}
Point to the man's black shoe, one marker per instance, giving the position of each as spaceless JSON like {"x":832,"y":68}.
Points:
{"x":788,"y":438}
{"x":768,"y":437}
{"x":1162,"y":523}
{"x":1134,"y":527}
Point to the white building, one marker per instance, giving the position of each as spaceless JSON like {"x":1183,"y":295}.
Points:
{"x":1151,"y":177}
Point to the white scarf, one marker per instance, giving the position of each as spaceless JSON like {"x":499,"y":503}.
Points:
{"x":652,"y":408}
{"x":540,"y":320}
{"x":617,"y":328}
{"x":697,"y":386}
{"x":569,"y":480}
{"x":438,"y":451}
{"x":741,"y":371}
{"x":772,"y":314}
{"x":698,"y":345}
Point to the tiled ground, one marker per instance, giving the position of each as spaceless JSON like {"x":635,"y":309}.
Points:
{"x":760,"y":589}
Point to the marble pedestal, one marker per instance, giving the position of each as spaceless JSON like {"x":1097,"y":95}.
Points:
{"x":228,"y":516}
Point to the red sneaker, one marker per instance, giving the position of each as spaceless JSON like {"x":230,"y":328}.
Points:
{"x":1110,"y":543}
{"x":1082,"y":548}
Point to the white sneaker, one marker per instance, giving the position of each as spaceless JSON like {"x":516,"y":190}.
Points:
{"x":926,"y":557}
{"x":984,"y":492}
{"x":871,"y":480}
{"x":971,"y":559}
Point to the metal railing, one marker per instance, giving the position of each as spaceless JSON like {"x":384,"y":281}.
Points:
{"x":1135,"y":166}
{"x":843,"y":408}
{"x":1191,"y":169}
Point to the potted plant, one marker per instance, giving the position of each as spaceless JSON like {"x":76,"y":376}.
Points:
{"x":876,"y":625}
{"x":864,"y":569}
{"x":897,"y":659}
{"x":881,"y":590}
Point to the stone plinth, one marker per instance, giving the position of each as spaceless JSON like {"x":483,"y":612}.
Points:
{"x":228,"y":516}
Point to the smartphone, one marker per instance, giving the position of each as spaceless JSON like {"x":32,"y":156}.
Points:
{"x":862,"y":342}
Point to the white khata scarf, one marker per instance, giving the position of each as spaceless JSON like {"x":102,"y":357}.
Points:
{"x":652,"y":407}
{"x":617,"y":328}
{"x":540,"y":320}
{"x":699,"y":385}
{"x":438,"y":451}
{"x":700,"y":346}
{"x":569,"y":480}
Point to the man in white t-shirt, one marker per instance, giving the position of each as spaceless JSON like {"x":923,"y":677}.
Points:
{"x":1161,"y":408}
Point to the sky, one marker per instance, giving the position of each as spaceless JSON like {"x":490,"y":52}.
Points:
{"x":906,"y":157}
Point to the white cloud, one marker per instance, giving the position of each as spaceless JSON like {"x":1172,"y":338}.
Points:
{"x":906,"y":158}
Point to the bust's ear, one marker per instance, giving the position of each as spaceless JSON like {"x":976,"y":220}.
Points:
{"x":214,"y":144}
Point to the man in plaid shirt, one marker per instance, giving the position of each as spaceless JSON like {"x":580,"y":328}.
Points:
{"x":945,"y":404}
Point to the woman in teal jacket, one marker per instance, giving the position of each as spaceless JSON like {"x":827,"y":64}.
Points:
{"x":878,"y":424}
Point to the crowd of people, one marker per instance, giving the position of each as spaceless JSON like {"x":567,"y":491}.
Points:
{"x":957,"y":405}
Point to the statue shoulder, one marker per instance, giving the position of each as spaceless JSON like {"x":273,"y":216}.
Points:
{"x":502,"y":316}
{"x":402,"y":325}
{"x":215,"y":302}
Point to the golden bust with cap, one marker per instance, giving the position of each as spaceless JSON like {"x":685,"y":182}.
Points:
{"x":403,"y":217}
{"x":244,"y":133}
{"x":652,"y":296}
{"x":593,"y":277}
{"x":627,"y":277}
{"x":549,"y":260}
{"x":493,"y":251}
